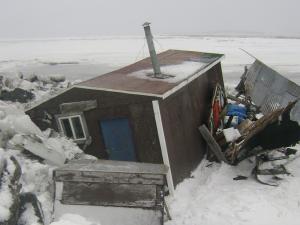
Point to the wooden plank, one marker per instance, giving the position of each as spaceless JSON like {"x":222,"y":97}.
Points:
{"x":101,"y":177}
{"x":82,"y":106}
{"x":213,"y":145}
{"x":102,"y":194}
{"x":113,"y":166}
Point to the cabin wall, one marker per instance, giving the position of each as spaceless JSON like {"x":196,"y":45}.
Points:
{"x":138,"y":110}
{"x":182,"y":113}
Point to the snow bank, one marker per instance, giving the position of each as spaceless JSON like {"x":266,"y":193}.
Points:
{"x":18,"y":132}
{"x":13,"y":120}
{"x":28,"y":217}
{"x":177,"y":72}
{"x":212,"y":197}
{"x":73,"y":219}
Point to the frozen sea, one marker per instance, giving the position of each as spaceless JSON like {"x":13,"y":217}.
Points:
{"x":84,"y":58}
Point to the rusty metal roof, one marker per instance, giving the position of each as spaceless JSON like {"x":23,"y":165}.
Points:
{"x":132,"y":80}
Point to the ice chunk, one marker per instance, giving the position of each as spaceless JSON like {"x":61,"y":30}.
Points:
{"x":57,"y":78}
{"x":37,"y":147}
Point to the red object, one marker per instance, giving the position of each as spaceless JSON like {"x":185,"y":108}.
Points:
{"x":216,"y":114}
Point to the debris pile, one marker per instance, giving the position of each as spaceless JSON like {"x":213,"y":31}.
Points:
{"x":24,"y":89}
{"x":262,"y":121}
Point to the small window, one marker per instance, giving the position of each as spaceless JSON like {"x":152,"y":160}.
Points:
{"x":72,"y":127}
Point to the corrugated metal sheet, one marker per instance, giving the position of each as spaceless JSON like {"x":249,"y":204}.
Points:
{"x":268,"y":89}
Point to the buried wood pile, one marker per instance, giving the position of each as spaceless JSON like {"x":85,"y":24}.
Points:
{"x":260,"y":122}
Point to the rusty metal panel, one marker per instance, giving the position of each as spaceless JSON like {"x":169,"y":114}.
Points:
{"x":268,"y":89}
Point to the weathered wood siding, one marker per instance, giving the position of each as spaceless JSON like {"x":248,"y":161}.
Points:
{"x":182,"y":113}
{"x":138,"y":109}
{"x":112,"y":188}
{"x":101,"y":177}
{"x":106,"y":194}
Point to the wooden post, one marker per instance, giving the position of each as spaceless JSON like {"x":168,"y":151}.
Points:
{"x":212,"y":144}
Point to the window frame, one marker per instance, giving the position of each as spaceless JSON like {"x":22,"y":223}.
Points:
{"x":59,"y":119}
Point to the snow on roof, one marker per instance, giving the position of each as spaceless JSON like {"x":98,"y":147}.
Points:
{"x":172,"y":73}
{"x":182,"y":66}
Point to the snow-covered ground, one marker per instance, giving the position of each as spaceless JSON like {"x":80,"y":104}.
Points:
{"x":211,"y":196}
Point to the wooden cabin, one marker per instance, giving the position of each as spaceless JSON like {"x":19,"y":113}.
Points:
{"x":131,"y":115}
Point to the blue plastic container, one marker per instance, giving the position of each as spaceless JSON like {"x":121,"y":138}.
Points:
{"x":237,"y":110}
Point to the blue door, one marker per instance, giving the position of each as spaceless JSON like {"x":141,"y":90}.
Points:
{"x":118,"y":141}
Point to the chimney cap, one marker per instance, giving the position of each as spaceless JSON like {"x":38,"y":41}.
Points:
{"x":146,"y":24}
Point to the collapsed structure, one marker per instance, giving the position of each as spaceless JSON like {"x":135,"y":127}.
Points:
{"x":235,"y":133}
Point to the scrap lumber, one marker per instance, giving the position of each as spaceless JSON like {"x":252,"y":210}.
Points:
{"x":213,"y":145}
{"x":76,"y":107}
{"x":256,"y":135}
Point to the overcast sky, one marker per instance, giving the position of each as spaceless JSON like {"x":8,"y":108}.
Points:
{"x":81,"y":18}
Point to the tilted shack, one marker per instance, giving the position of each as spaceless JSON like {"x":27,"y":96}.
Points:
{"x":130,"y":115}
